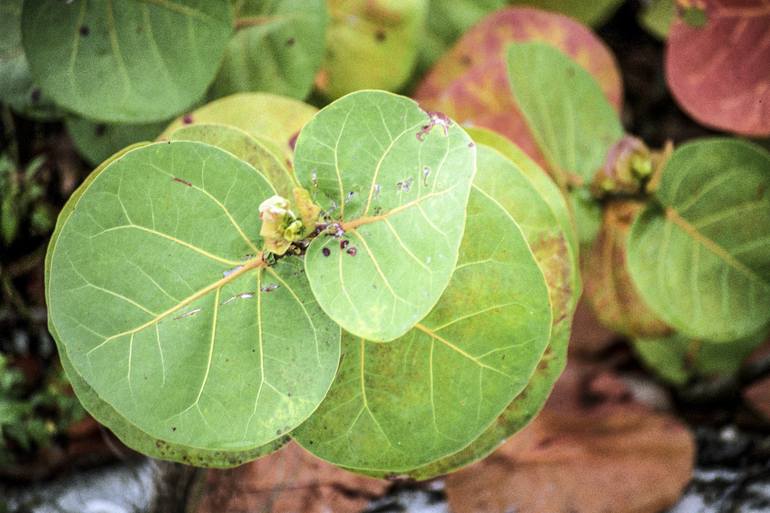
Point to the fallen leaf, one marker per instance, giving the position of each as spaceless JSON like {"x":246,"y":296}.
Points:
{"x":720,"y":72}
{"x":589,"y":336}
{"x":288,"y":481}
{"x":592,"y":450}
{"x":470,"y":82}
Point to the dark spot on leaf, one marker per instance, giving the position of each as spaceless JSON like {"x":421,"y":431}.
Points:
{"x":326,"y":252}
{"x":352,"y":251}
{"x":187,"y":119}
{"x":35,"y":95}
{"x":293,"y":140}
{"x":100,"y":130}
{"x":84,"y":30}
{"x":466,"y":60}
{"x":173,"y":428}
{"x":290,"y":41}
{"x":379,"y":35}
{"x":471,"y":144}
{"x":183,"y":182}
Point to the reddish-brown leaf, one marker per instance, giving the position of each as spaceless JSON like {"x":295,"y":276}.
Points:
{"x":470,"y":82}
{"x":720,"y":72}
{"x":591,"y":450}
{"x":609,"y":288}
{"x":288,"y":481}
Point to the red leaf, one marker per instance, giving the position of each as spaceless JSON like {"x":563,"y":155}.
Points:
{"x":288,"y":481}
{"x":720,"y":73}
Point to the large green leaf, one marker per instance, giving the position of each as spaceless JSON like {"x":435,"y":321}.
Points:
{"x":243,"y":146}
{"x":106,"y":415}
{"x":430,"y":393}
{"x":397,"y":180}
{"x":17,"y":89}
{"x":97,"y":141}
{"x":371,"y":45}
{"x":572,"y":121}
{"x":677,"y":359}
{"x":516,"y":187}
{"x":271,"y":119}
{"x":156,"y":296}
{"x":132,"y":61}
{"x":278,"y":48}
{"x":140,"y":441}
{"x":700,"y":254}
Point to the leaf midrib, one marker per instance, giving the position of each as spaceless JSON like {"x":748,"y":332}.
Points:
{"x":673,"y":216}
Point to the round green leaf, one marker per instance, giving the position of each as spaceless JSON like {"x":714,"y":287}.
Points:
{"x":16,"y":87}
{"x":128,"y":433}
{"x":515,"y":186}
{"x":570,"y":117}
{"x":131,"y":61}
{"x":243,"y":146}
{"x":106,"y":415}
{"x":677,"y":358}
{"x":278,"y":48}
{"x":397,"y":406}
{"x":156,"y":448}
{"x":97,"y":141}
{"x":700,"y":255}
{"x":157,"y":298}
{"x":271,"y":119}
{"x":371,"y":46}
{"x":397,"y":180}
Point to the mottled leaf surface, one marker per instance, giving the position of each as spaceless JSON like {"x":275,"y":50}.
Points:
{"x":447,"y":21}
{"x":371,"y":44}
{"x":163,"y":310}
{"x":17,"y":89}
{"x":399,"y":187}
{"x":243,"y":146}
{"x":719,"y":72}
{"x":428,"y":394}
{"x":572,"y":121}
{"x":708,"y":234}
{"x":272,"y":119}
{"x":132,"y":61}
{"x":278,"y":47}
{"x":470,"y":82}
{"x":97,"y":141}
{"x":513,"y":185}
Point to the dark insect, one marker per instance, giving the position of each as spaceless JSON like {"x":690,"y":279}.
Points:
{"x":326,"y":252}
{"x":269,"y":287}
{"x":185,"y":182}
{"x":344,"y":243}
{"x":352,"y":251}
{"x":425,"y":175}
{"x":187,"y":119}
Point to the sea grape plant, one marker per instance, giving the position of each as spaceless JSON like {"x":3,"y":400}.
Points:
{"x":675,"y":242}
{"x":395,"y":294}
